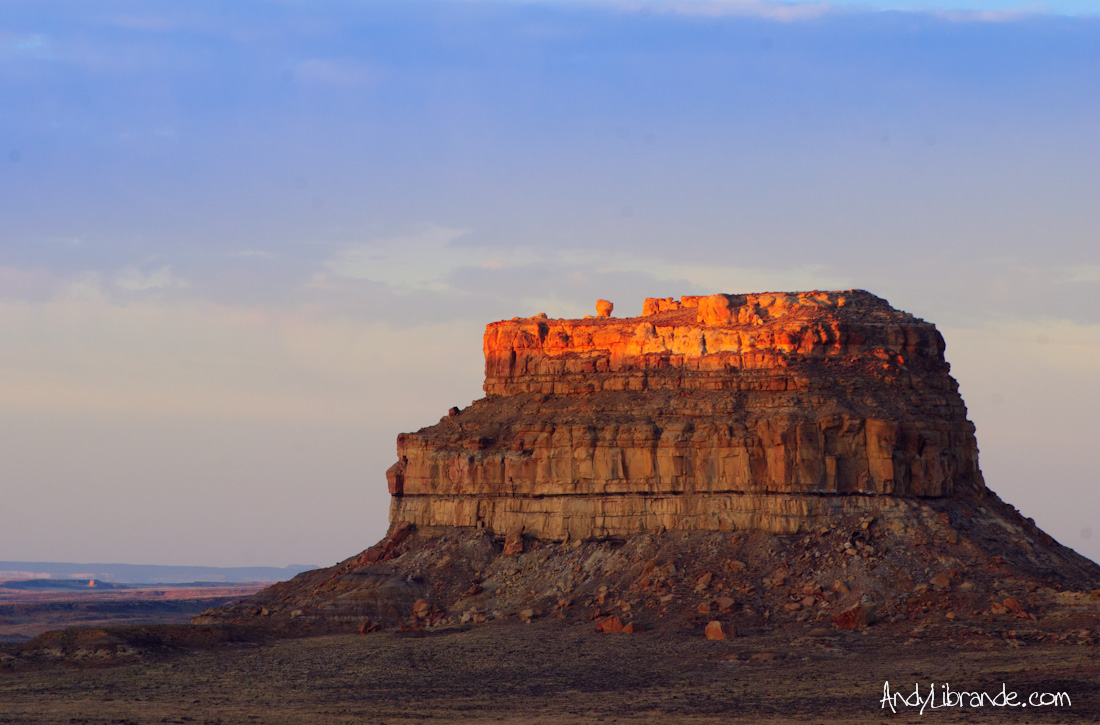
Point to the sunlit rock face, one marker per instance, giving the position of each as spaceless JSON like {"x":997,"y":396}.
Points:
{"x":774,"y":411}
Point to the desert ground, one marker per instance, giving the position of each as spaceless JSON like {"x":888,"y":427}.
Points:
{"x":558,"y":671}
{"x":28,"y":611}
{"x":290,"y":654}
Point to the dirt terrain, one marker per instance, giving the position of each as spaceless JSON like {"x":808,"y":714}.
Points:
{"x":466,"y":628}
{"x":558,"y":671}
{"x":26,"y":610}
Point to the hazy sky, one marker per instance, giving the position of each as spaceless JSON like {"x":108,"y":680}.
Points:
{"x":243,"y":245}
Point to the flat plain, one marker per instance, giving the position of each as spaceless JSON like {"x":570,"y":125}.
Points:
{"x":26,"y":612}
{"x":556,"y":671}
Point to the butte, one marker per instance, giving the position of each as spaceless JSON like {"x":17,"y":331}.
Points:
{"x":756,"y":460}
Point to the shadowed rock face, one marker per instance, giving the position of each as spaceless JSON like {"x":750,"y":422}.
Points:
{"x":774,"y":412}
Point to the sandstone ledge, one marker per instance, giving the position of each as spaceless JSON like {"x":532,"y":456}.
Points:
{"x":712,"y":343}
{"x":556,"y":518}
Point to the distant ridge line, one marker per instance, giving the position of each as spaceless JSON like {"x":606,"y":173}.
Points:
{"x":147,"y":573}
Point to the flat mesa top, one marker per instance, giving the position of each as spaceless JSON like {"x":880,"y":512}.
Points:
{"x":728,"y":310}
{"x":711,"y":342}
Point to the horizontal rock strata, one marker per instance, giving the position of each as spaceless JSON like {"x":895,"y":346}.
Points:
{"x":770,"y":411}
{"x":616,"y":515}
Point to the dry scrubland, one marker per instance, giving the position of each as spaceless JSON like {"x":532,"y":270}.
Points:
{"x":553,"y":671}
{"x":25,"y":613}
{"x":791,"y":661}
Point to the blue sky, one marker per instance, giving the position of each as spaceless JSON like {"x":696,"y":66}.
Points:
{"x":242,"y":247}
{"x":1049,"y":7}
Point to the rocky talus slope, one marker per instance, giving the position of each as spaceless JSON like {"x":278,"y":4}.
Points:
{"x":745,"y":462}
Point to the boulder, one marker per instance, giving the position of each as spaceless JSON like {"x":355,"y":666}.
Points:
{"x":609,"y":625}
{"x":513,"y":542}
{"x":855,"y":617}
{"x":720,"y":630}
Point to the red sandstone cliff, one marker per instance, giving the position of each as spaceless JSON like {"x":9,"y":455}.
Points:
{"x":730,"y":411}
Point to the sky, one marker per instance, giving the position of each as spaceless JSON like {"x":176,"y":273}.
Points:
{"x":243,"y":246}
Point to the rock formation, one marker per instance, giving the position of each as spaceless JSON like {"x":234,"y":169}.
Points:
{"x":761,"y":411}
{"x":730,"y":464}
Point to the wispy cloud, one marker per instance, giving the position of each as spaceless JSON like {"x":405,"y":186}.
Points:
{"x":766,"y":9}
{"x":134,"y":280}
{"x":420,"y":259}
{"x":32,"y":45}
{"x":253,"y":254}
{"x":17,"y":283}
{"x":802,"y":10}
{"x":990,"y":16}
{"x":1082,"y":273}
{"x":449,"y":263}
{"x":333,"y":71}
{"x":149,"y":23}
{"x":784,"y":12}
{"x":185,"y":357}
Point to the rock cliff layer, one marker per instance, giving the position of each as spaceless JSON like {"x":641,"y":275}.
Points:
{"x":773,"y":412}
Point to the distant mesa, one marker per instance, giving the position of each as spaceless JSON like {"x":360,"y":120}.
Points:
{"x":144,"y":573}
{"x":57,"y":584}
